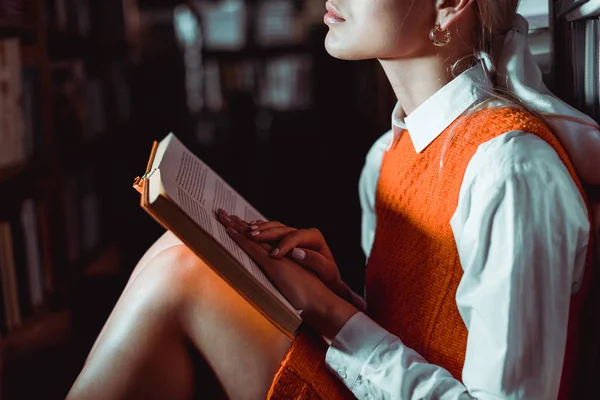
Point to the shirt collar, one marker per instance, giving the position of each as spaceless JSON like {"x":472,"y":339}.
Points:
{"x":436,"y":114}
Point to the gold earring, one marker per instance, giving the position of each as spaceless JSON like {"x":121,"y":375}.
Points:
{"x":433,"y":36}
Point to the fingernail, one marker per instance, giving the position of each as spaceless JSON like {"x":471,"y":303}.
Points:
{"x":254,"y":233}
{"x":252,"y":222}
{"x":274,"y":252}
{"x":254,"y":227}
{"x":225,"y":218}
{"x":223,"y":212}
{"x":298,"y":254}
{"x":231,"y":230}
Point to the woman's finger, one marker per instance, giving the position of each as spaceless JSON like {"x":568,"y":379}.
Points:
{"x":229,"y":223}
{"x":329,"y":274}
{"x":268,"y":248}
{"x":267,"y":225}
{"x":319,"y":265}
{"x":310,"y":239}
{"x":260,"y":255}
{"x":253,"y":249}
{"x":299,"y":285}
{"x":271,"y":234}
{"x":232,"y":221}
{"x":240,"y":223}
{"x":258,"y":222}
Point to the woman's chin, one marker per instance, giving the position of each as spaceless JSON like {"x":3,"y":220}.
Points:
{"x":342,"y":51}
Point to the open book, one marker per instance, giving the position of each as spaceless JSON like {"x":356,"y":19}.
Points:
{"x":183,"y":194}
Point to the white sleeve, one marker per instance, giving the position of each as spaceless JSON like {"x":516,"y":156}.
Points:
{"x":521,"y":229}
{"x":367,"y":188}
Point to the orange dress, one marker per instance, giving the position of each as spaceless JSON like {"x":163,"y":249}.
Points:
{"x":414,"y":269}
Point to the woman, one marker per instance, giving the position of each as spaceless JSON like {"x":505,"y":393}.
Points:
{"x":475,"y":225}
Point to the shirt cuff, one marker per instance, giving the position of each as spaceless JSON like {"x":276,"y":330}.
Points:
{"x":352,"y":347}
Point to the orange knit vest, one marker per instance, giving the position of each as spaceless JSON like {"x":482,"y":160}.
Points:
{"x":414,"y":269}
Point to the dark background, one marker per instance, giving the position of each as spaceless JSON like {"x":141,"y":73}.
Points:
{"x":299,"y":163}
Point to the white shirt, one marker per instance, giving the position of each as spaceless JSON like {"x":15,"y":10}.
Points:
{"x":521,"y":229}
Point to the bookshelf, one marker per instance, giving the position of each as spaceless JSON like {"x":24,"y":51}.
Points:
{"x":576,"y":34}
{"x":64,"y":65}
{"x":576,"y":43}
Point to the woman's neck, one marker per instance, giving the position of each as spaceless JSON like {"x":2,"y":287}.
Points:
{"x":415,"y":80}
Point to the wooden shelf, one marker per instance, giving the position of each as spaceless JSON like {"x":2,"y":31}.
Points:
{"x":13,"y":172}
{"x":65,"y":45}
{"x":46,"y":329}
{"x":24,"y":172}
{"x":16,"y":29}
{"x":105,"y":262}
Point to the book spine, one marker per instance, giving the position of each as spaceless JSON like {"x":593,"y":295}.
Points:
{"x":590,"y":73}
{"x":12,"y":149}
{"x":9,"y":277}
{"x":33,"y":256}
{"x":45,"y":224}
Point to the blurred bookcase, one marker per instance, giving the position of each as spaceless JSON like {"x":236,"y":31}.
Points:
{"x":576,"y":61}
{"x":577,"y":53}
{"x":576,"y":68}
{"x":63,"y":106}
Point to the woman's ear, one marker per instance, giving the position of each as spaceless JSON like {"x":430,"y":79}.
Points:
{"x":450,"y":11}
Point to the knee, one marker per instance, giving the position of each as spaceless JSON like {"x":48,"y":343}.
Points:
{"x":173,"y":275}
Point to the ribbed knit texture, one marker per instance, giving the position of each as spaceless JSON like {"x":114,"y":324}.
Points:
{"x":304,"y":375}
{"x":414,"y":269}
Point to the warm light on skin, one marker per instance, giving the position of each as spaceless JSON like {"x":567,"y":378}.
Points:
{"x":396,"y":32}
{"x":378,"y":28}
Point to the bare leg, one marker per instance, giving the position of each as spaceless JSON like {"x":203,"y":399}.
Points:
{"x":167,"y":240}
{"x":173,"y":300}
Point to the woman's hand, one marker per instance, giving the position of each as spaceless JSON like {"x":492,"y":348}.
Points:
{"x":305,"y":246}
{"x":322,"y":309}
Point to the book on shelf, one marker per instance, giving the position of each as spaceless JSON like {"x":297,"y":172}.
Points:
{"x":8,"y":272}
{"x":83,"y":222}
{"x":33,"y":141}
{"x":276,"y":23}
{"x":22,"y":270}
{"x":582,"y":46}
{"x":12,"y":130}
{"x":224,"y":24}
{"x":591,"y":72}
{"x":45,"y":225}
{"x":284,"y":84}
{"x":182,"y":193}
{"x":34,"y":263}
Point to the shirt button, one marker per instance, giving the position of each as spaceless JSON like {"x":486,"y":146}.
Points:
{"x":575,"y":287}
{"x":342,"y":373}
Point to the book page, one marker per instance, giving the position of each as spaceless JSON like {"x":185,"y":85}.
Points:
{"x":199,"y":191}
{"x":188,"y":172}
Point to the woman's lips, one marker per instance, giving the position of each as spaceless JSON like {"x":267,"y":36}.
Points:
{"x":332,"y":16}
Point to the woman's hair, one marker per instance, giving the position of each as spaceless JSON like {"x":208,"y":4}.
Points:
{"x":494,"y":20}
